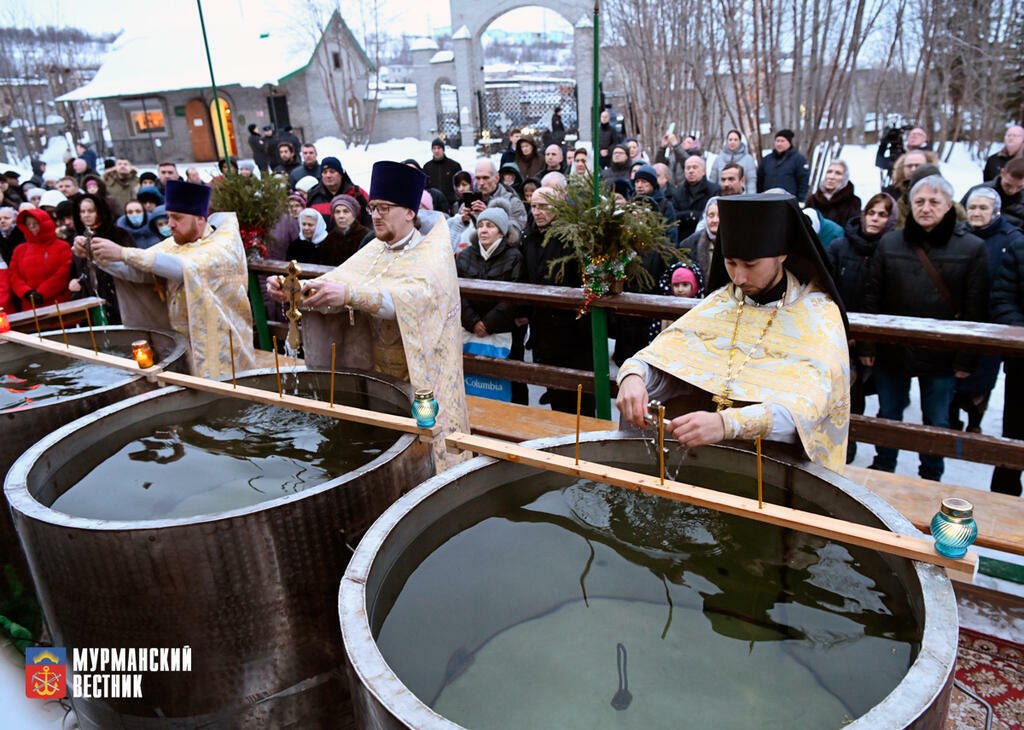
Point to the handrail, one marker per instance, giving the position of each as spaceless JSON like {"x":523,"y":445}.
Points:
{"x":978,"y":337}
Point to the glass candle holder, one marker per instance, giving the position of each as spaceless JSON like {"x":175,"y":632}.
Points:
{"x":5,"y":324}
{"x":954,"y":528}
{"x":142,"y":353}
{"x":425,"y":408}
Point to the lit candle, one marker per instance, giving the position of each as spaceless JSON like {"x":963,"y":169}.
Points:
{"x":142,"y":353}
{"x":5,"y":324}
{"x":424,"y":408}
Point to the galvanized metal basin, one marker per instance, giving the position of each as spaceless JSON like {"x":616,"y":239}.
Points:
{"x":24,"y":426}
{"x":435,"y":512}
{"x":250,"y":590}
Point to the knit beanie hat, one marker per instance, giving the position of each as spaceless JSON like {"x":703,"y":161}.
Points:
{"x":648,"y":173}
{"x":332,"y":163}
{"x":683,"y":274}
{"x":787,"y":133}
{"x":438,"y":142}
{"x":349,"y":202}
{"x":496,"y":215}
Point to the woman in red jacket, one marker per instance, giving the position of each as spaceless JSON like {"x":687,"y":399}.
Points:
{"x":41,"y":267}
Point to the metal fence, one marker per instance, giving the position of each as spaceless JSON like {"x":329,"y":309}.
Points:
{"x":526,"y":103}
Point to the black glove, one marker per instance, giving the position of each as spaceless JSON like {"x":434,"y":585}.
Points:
{"x":34,"y":297}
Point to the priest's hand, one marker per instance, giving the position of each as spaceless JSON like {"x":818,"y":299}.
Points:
{"x":321,"y":294}
{"x":274,"y":289}
{"x":105,"y":251}
{"x":699,"y":428}
{"x":632,"y":400}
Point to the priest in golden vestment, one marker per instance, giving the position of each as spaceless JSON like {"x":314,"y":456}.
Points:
{"x":195,"y":282}
{"x":394,"y":306}
{"x":764,"y":355}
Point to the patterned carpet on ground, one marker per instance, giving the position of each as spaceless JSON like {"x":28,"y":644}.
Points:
{"x":993,"y":669}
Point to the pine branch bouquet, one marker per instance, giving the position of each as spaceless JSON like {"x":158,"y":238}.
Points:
{"x":609,"y":240}
{"x":259,"y":203}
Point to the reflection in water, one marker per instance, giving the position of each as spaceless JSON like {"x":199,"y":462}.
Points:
{"x":730,"y":623}
{"x":46,"y":377}
{"x":235,"y":455}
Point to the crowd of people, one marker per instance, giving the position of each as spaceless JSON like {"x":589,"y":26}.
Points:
{"x":911,"y":249}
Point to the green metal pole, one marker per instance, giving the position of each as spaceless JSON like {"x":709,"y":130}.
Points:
{"x":598,"y":316}
{"x":259,"y":311}
{"x":213,"y":85}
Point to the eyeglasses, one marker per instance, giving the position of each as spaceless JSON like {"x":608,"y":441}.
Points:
{"x":380,"y":209}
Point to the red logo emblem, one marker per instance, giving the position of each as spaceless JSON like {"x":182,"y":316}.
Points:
{"x":46,"y":673}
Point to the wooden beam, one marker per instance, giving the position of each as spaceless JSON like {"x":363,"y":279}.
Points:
{"x":913,"y":548}
{"x":975,"y":447}
{"x":979,"y":337}
{"x":348,"y":413}
{"x":20,"y":319}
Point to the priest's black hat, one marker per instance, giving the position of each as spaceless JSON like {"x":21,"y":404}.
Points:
{"x":397,"y":183}
{"x":770,"y":224}
{"x":186,"y":197}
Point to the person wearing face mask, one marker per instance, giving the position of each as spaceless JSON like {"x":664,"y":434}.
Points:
{"x":136,"y":222}
{"x":159,"y":223}
{"x":312,"y":231}
{"x":344,"y":239}
{"x":92,"y":216}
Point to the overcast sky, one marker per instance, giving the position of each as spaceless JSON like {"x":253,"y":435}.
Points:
{"x":398,"y":16}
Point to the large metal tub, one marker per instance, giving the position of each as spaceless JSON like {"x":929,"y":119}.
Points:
{"x":252,"y":591}
{"x":26,"y":425}
{"x":440,"y":508}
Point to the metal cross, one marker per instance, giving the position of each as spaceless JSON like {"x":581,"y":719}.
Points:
{"x":291,"y":286}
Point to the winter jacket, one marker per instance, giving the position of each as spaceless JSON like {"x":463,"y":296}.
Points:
{"x":122,"y":189}
{"x":787,"y":171}
{"x":105,"y":287}
{"x":90,"y":158}
{"x":999,"y":235}
{"x":286,"y":168}
{"x":690,"y":201}
{"x":899,"y":284}
{"x":607,"y":137}
{"x":504,"y":264}
{"x":319,"y":198}
{"x":517,"y":212}
{"x":668,"y":212}
{"x":840,"y":208}
{"x":995,"y":164}
{"x":528,"y":166}
{"x":8,"y":302}
{"x":9,"y":242}
{"x":742,"y":158}
{"x":144,"y":236}
{"x":850,"y":257}
{"x":1012,"y":206}
{"x":556,"y":335}
{"x":258,"y":147}
{"x":1007,"y":301}
{"x":302,"y":171}
{"x":339,"y":245}
{"x":439,"y":175}
{"x":616,"y":172}
{"x":42,"y":264}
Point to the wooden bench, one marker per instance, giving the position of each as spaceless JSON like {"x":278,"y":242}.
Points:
{"x":1000,"y":517}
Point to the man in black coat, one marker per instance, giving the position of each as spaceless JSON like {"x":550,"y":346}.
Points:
{"x":1008,"y":308}
{"x":693,"y":195}
{"x":932,"y":268}
{"x":440,"y":170}
{"x":784,"y":167}
{"x":556,"y":335}
{"x":258,"y":145}
{"x":607,"y":137}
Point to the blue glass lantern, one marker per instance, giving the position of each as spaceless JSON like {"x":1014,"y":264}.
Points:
{"x":954,"y":528}
{"x":425,"y":408}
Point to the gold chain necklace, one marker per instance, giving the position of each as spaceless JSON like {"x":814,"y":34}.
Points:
{"x":723,"y":400}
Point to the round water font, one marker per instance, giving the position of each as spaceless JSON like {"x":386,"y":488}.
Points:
{"x":500,"y":596}
{"x":188,"y":518}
